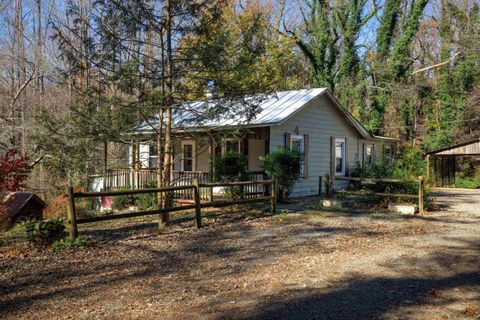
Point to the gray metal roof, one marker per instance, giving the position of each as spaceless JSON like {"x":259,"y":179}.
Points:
{"x":467,"y":148}
{"x":272,"y":109}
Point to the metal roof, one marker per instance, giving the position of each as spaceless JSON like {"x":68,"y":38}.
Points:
{"x":15,"y":201}
{"x":272,"y":109}
{"x":467,"y":148}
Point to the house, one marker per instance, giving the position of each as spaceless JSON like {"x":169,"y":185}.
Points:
{"x":23,"y":206}
{"x":310,"y":120}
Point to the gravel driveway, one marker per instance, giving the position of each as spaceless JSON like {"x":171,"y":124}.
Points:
{"x":297,"y":265}
{"x":458,"y":200}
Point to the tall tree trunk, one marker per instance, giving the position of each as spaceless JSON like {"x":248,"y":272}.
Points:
{"x":168,"y":112}
{"x":21,"y":77}
{"x":39,"y":52}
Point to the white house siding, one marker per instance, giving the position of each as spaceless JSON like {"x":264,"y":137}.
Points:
{"x":203,"y":156}
{"x":256,"y":149}
{"x":144,"y":154}
{"x":321,"y":121}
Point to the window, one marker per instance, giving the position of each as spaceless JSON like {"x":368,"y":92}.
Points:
{"x":230,"y":145}
{"x":340,"y":157}
{"x":188,"y":155}
{"x":388,"y":152}
{"x":152,"y":156}
{"x":369,"y":154}
{"x":297,"y":143}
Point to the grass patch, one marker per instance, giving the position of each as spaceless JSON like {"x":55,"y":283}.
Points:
{"x":70,"y":244}
{"x":467,"y":183}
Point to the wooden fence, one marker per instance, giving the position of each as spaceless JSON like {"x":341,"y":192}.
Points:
{"x":195,"y":187}
{"x":419,"y":196}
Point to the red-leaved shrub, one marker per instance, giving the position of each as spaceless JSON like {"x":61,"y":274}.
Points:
{"x":57,"y":208}
{"x":13,"y":171}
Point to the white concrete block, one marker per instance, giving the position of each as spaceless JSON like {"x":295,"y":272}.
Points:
{"x":327,"y":203}
{"x":403,"y":209}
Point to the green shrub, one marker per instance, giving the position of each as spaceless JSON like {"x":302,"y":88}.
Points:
{"x":232,"y":166}
{"x":147,"y":200}
{"x":85,"y":207}
{"x":468,"y":175}
{"x":121,"y":202}
{"x":44,"y":233}
{"x":285,"y":164}
{"x":67,"y":244}
{"x":408,"y":166}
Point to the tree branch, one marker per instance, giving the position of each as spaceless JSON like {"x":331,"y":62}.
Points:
{"x":437,"y":65}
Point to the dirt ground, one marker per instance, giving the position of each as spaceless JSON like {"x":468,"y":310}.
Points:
{"x":295,"y":265}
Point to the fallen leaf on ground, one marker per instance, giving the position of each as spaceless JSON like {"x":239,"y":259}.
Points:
{"x":469,"y":310}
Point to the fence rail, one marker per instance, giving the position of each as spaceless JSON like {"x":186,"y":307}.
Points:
{"x":73,"y":221}
{"x":419,"y":196}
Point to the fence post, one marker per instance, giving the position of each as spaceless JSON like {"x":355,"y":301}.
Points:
{"x":421,"y":187}
{"x":274,"y":195}
{"x":330,"y":188}
{"x":198,"y":211}
{"x":71,"y":214}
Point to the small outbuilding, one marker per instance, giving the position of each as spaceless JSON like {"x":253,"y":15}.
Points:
{"x":442,"y":163}
{"x":23,"y":206}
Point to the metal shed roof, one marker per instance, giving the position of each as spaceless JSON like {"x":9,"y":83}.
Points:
{"x":273,"y":109}
{"x":468,"y":148}
{"x":15,"y":201}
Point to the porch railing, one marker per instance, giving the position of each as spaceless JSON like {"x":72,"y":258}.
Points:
{"x":185,"y":178}
{"x":117,"y":178}
{"x":139,"y":178}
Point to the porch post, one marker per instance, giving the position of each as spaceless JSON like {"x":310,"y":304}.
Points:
{"x":211,"y":150}
{"x":132,"y":164}
{"x":137,"y":172}
{"x":428,"y":166}
{"x":105,"y":164}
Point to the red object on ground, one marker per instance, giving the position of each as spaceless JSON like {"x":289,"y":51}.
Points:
{"x":25,"y":205}
{"x":106,"y":202}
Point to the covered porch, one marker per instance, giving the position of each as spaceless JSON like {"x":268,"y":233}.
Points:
{"x":193,"y":158}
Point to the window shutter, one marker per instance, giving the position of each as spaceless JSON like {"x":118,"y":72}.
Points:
{"x":288,"y":140}
{"x":244,"y":146}
{"x":383,"y":152}
{"x":244,"y":149}
{"x":363,"y":154}
{"x":374,"y":158}
{"x":347,"y":161}
{"x":195,"y":153}
{"x":332,"y":156}
{"x":305,"y":154}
